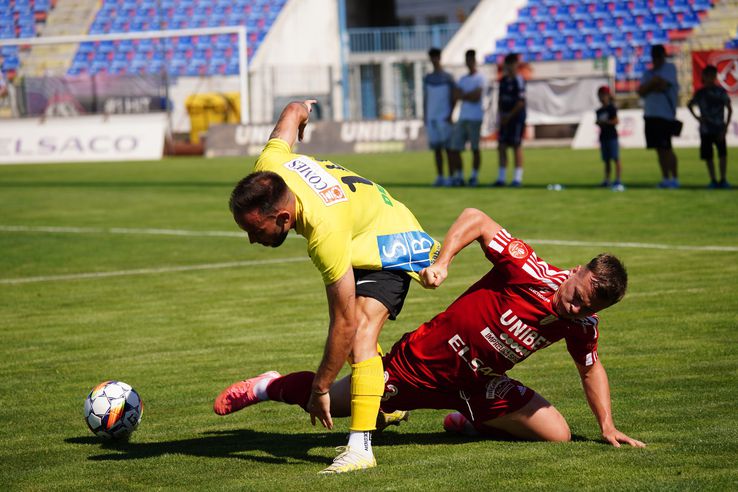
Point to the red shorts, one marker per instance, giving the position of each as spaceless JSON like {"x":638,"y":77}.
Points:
{"x":488,"y":400}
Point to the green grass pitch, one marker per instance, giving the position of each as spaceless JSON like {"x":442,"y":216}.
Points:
{"x":179,"y":337}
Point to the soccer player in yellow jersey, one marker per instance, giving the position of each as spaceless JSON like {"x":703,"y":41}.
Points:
{"x":365,"y":244}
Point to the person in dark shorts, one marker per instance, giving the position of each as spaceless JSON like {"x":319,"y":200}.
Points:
{"x":659,"y":89}
{"x":459,"y":359}
{"x":607,"y":119}
{"x":712,"y":101}
{"x":511,"y":114}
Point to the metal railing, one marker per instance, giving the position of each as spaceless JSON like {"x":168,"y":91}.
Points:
{"x":412,"y":38}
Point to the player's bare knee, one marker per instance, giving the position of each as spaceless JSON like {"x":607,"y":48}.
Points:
{"x":559,"y":432}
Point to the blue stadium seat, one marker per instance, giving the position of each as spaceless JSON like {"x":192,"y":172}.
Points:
{"x":687,"y":19}
{"x":681,"y":6}
{"x":181,"y":55}
{"x":667,"y":20}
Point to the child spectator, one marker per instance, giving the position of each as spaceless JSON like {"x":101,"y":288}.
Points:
{"x":607,"y":119}
{"x":712,"y":101}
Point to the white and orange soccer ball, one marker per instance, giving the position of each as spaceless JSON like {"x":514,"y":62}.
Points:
{"x":113,"y":410}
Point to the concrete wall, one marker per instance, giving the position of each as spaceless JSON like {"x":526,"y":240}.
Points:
{"x":304,"y":41}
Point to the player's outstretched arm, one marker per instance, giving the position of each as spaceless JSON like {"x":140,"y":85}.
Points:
{"x":597,"y":390}
{"x":341,"y":306}
{"x":471,"y":225}
{"x":292,"y":121}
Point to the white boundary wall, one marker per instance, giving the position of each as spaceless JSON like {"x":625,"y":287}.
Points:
{"x":82,"y":139}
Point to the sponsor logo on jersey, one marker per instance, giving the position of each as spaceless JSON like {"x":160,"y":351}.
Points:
{"x":409,"y":251}
{"x":499,"y":388}
{"x":526,"y":335}
{"x":539,"y":294}
{"x":318,"y":179}
{"x":517,"y":249}
{"x":477,"y":365}
{"x":499,"y":345}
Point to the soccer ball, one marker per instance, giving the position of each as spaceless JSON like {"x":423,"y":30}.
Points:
{"x":113,"y":410}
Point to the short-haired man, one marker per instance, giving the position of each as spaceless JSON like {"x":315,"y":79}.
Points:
{"x":469,"y":90}
{"x":438,"y":104}
{"x":511,"y":120}
{"x":365,"y":244}
{"x":659,"y":89}
{"x":459,"y":359}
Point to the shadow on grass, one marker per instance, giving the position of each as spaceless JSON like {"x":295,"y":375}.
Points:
{"x":540,"y":186}
{"x":261,"y":447}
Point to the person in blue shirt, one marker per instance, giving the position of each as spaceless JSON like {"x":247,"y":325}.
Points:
{"x":607,"y":119}
{"x":511,"y":114}
{"x":712,"y":101}
{"x":438,"y":103}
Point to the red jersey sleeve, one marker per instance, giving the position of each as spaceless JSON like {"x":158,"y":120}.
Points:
{"x":507,"y":252}
{"x":517,"y":261}
{"x":581,"y":340}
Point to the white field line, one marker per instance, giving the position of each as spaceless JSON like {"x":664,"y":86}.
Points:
{"x":120,"y":230}
{"x":606,"y":244}
{"x":148,"y":271}
{"x":180,"y":232}
{"x":236,"y":264}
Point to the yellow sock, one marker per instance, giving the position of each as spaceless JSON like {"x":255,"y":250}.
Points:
{"x":367,"y":388}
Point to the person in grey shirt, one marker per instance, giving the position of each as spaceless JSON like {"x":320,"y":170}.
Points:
{"x":659,"y":89}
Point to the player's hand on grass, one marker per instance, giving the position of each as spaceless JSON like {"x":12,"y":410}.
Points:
{"x":309,"y":106}
{"x":615,"y":437}
{"x":319,"y":407}
{"x":433,"y":276}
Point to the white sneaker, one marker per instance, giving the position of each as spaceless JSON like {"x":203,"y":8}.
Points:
{"x":349,"y":460}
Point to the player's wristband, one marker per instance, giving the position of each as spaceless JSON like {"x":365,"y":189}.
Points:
{"x":320,"y":393}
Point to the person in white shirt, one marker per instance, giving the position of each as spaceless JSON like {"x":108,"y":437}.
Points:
{"x":469,"y":90}
{"x":660,"y":90}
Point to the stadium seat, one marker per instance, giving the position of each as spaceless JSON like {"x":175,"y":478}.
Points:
{"x":181,"y":55}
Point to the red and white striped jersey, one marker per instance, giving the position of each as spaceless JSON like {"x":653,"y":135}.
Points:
{"x":498,"y":322}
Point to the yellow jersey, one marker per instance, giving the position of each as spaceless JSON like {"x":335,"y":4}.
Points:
{"x":348,"y":221}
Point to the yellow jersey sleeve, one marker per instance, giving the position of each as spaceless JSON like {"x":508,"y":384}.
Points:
{"x":330,"y":252}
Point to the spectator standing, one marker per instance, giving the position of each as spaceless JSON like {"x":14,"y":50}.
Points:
{"x":607,"y":119}
{"x":712,"y":101}
{"x":511,"y":124}
{"x":469,"y":91}
{"x":438,"y":103}
{"x":659,"y":89}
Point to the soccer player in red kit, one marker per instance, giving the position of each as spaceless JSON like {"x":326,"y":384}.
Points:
{"x":459,"y":359}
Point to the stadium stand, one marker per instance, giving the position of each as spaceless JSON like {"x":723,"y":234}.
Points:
{"x":584,"y":29}
{"x":194,"y":55}
{"x":19,"y":19}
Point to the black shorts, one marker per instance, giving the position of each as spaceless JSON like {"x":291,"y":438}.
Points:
{"x":658,"y":133}
{"x":387,"y":286}
{"x":512,"y":133}
{"x":707,"y":140}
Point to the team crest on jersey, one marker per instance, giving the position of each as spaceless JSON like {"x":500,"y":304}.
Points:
{"x":318,"y":179}
{"x":517,"y":249}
